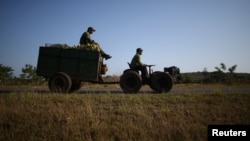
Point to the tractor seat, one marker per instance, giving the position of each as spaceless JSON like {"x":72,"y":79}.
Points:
{"x":129,"y":65}
{"x":131,"y":68}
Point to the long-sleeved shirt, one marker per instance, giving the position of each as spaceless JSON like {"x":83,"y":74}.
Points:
{"x":136,"y":61}
{"x":85,"y":39}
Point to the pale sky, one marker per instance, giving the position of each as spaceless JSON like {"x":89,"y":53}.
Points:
{"x":190,"y":34}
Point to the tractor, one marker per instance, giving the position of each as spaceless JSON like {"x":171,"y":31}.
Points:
{"x":131,"y":80}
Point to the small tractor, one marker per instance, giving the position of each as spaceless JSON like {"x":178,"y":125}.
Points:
{"x":66,"y":67}
{"x":131,"y":81}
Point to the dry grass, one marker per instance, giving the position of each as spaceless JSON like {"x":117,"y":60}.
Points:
{"x":118,"y":117}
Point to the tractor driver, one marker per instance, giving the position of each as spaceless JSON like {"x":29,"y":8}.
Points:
{"x":85,"y":39}
{"x":138,"y":65}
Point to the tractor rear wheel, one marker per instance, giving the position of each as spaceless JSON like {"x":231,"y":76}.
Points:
{"x":130,"y":82}
{"x":60,"y":82}
{"x":161,"y":82}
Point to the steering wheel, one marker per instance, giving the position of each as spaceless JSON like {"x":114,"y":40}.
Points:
{"x":150,"y":65}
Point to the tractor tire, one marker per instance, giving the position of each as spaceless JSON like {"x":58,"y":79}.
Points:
{"x":130,"y":82}
{"x":161,"y":82}
{"x":76,"y":85}
{"x":60,"y":82}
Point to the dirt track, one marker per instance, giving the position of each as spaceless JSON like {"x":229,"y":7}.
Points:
{"x":104,"y":89}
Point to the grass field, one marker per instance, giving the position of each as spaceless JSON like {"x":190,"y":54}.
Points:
{"x":118,"y":117}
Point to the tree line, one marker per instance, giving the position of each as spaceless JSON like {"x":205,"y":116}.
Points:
{"x":28,"y":76}
{"x":222,"y":75}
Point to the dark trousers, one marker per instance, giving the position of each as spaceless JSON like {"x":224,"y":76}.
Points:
{"x":143,"y":69}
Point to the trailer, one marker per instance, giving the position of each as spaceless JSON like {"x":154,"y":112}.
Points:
{"x":66,"y":68}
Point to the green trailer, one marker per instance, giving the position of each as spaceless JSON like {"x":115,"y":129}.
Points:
{"x":66,"y":68}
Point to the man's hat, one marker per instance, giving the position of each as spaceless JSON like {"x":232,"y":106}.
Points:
{"x":138,"y":49}
{"x":91,"y":29}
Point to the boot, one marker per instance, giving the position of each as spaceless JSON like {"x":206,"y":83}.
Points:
{"x":106,"y":56}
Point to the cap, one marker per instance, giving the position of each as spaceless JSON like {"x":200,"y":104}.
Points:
{"x":91,"y":29}
{"x":138,"y":49}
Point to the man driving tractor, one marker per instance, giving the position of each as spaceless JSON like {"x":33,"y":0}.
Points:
{"x":138,"y":65}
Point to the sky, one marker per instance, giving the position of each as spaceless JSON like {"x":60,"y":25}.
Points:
{"x":189,"y":34}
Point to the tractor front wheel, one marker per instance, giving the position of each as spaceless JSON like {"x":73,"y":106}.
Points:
{"x":161,"y":82}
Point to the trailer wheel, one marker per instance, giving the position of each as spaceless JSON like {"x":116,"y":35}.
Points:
{"x":130,"y":82}
{"x":60,"y":82}
{"x":161,"y":82}
{"x":76,"y":85}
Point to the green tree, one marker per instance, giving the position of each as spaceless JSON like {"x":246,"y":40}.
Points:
{"x":29,"y":72}
{"x":5,"y":72}
{"x":222,"y":68}
{"x":232,"y":69}
{"x":206,"y":76}
{"x":221,"y":75}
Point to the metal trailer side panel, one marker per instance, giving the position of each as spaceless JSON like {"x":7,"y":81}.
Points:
{"x":78,"y":64}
